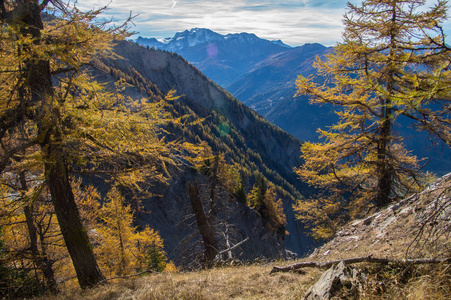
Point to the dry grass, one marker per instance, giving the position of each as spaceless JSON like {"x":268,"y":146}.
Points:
{"x":254,"y":282}
{"x":388,"y":233}
{"x":243,"y":282}
{"x":411,"y":282}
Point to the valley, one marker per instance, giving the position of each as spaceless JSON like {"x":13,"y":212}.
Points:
{"x":264,"y":80}
{"x":192,"y":167}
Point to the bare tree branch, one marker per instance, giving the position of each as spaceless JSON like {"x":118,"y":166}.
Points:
{"x":369,"y":259}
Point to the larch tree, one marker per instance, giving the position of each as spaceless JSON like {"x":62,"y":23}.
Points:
{"x":263,"y":198}
{"x":31,"y":232}
{"x":122,"y":248}
{"x":56,"y":117}
{"x":393,"y":64}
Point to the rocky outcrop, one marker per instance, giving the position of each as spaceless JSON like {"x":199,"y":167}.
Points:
{"x":420,"y":224}
{"x":228,"y":126}
{"x":172,"y":215}
{"x":334,"y":281}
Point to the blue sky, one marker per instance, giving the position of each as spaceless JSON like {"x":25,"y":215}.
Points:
{"x":294,"y":22}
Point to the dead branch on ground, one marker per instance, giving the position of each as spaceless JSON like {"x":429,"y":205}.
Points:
{"x":369,"y":259}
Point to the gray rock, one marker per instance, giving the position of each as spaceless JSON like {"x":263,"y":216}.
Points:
{"x":332,"y":281}
{"x":171,"y":214}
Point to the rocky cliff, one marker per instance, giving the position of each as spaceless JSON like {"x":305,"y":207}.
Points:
{"x":228,"y":127}
{"x":171,"y":213}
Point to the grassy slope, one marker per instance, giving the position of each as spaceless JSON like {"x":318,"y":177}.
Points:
{"x":243,"y":282}
{"x":387,"y":233}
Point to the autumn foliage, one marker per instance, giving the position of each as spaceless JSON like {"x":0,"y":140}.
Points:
{"x":392,"y":68}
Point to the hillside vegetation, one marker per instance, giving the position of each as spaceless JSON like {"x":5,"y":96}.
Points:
{"x":119,"y":162}
{"x":252,"y":145}
{"x":418,"y":226}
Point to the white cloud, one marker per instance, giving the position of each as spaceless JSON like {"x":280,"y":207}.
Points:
{"x":295,"y":22}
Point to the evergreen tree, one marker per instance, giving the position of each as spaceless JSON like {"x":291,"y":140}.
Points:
{"x":393,"y":64}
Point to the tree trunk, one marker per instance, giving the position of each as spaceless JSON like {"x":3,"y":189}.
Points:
{"x":206,"y":230}
{"x":41,"y":259}
{"x":74,"y":233}
{"x":38,"y":83}
{"x":384,"y":169}
{"x":214,"y":182}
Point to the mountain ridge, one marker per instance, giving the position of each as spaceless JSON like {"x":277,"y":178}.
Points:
{"x":266,"y":83}
{"x":196,"y":36}
{"x":222,"y":58}
{"x":229,"y":127}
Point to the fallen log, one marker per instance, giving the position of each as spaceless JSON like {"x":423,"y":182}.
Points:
{"x":368,"y":258}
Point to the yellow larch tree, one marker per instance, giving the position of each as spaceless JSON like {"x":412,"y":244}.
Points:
{"x":393,"y":64}
{"x":56,"y":117}
{"x":122,"y":248}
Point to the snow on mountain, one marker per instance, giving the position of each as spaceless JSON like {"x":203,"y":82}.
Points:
{"x":191,"y":38}
{"x":280,"y":43}
{"x":182,"y":40}
{"x":223,"y":58}
{"x":201,"y":36}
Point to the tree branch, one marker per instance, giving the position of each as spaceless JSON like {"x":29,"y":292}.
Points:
{"x":233,"y":247}
{"x":368,"y":258}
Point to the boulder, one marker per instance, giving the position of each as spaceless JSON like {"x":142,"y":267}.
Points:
{"x":332,"y":282}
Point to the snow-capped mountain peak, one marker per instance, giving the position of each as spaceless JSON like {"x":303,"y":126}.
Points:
{"x":201,"y":36}
{"x":191,"y":38}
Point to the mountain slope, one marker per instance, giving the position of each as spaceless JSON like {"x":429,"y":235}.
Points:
{"x":381,"y":235}
{"x":229,"y":127}
{"x":419,"y":226}
{"x":269,"y":88}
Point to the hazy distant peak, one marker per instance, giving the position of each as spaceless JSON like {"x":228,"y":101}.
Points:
{"x":165,"y":40}
{"x":197,"y":36}
{"x":200,"y":36}
{"x":280,"y":43}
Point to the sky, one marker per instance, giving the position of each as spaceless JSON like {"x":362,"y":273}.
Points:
{"x":295,"y":22}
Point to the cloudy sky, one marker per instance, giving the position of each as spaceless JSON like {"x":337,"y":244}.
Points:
{"x":295,"y":22}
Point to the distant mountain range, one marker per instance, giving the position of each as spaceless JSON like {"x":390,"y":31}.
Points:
{"x":262,"y":75}
{"x":258,"y":72}
{"x":223,"y":58}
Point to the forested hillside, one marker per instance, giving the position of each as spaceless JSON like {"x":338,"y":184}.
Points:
{"x":94,"y":141}
{"x":264,"y":79}
{"x":118,"y":160}
{"x":250,"y":143}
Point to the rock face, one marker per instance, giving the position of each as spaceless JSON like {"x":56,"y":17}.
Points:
{"x":332,"y":282}
{"x":172,"y":215}
{"x":247,"y":139}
